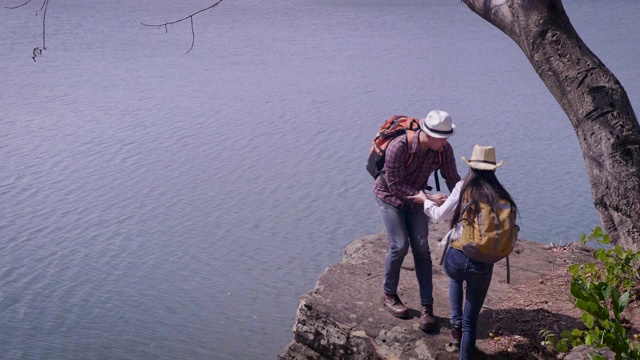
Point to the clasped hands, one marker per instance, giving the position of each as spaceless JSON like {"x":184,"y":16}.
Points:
{"x":421,"y":197}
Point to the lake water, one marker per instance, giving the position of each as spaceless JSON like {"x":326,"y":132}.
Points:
{"x":163,"y":205}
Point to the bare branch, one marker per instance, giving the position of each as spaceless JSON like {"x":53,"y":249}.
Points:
{"x":193,"y":36}
{"x":184,"y":18}
{"x":45,"y":5}
{"x":190,"y":17}
{"x":17,"y":6}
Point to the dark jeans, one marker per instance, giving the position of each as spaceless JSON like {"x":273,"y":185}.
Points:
{"x":407,"y":228}
{"x":477,"y":275}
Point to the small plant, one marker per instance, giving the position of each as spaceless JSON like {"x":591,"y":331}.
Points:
{"x":617,"y":267}
{"x":602,"y":291}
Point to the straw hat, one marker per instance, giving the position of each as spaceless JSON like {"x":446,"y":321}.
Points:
{"x":437,"y":124}
{"x":483,"y":158}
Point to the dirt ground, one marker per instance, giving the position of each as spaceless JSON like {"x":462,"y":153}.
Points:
{"x":516,"y":329}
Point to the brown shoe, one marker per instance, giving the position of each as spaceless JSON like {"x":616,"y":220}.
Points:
{"x":395,"y":306}
{"x":427,"y":320}
{"x":456,"y":336}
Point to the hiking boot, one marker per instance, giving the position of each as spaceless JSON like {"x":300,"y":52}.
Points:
{"x":394,"y":305}
{"x":454,"y":340}
{"x":427,"y":320}
{"x":456,"y":335}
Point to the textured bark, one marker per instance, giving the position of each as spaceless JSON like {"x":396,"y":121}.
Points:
{"x":593,"y":99}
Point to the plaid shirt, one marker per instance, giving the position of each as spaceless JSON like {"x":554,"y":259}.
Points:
{"x":398,"y":181}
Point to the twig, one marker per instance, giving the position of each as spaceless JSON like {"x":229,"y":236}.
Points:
{"x":15,"y":7}
{"x":45,"y":5}
{"x":190,"y":17}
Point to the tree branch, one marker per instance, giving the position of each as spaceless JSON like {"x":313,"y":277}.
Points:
{"x":45,"y":4}
{"x":17,"y":6}
{"x":190,"y":17}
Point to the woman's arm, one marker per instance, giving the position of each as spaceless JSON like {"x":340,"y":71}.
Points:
{"x":444,"y":211}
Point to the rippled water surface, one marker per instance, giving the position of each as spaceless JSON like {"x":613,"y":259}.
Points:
{"x":162,"y":205}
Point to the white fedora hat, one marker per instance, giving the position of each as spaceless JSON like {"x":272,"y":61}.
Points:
{"x":437,"y":124}
{"x":483,"y":158}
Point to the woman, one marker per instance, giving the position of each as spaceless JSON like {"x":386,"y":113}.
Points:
{"x":480,"y":185}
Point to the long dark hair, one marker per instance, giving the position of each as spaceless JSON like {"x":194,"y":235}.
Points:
{"x":480,"y":186}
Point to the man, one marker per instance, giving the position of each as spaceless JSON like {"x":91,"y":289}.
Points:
{"x":406,"y":171}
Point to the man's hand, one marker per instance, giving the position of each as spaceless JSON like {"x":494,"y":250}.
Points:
{"x":419,"y":198}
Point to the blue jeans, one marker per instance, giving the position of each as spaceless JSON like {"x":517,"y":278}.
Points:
{"x":407,"y":228}
{"x":478,"y":277}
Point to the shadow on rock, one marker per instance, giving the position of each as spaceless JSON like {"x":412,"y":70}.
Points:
{"x":525,"y":337}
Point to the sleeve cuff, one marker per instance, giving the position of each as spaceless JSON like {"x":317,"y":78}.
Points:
{"x":428,"y":203}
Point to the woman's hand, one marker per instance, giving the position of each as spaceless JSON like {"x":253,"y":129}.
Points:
{"x":439,"y":199}
{"x":421,"y":197}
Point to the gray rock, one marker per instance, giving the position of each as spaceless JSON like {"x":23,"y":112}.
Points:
{"x":582,"y":353}
{"x":342,"y":317}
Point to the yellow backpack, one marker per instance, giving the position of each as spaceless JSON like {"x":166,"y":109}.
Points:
{"x":492,"y":235}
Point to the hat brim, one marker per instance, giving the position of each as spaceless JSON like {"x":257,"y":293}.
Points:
{"x":439,"y":136}
{"x":482,"y":165}
{"x":436,"y":135}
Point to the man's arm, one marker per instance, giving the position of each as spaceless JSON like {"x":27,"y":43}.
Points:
{"x":448,"y":167}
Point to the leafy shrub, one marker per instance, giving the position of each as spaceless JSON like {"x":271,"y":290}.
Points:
{"x":602,"y":290}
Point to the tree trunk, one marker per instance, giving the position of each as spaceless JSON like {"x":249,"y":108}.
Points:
{"x":593,"y":99}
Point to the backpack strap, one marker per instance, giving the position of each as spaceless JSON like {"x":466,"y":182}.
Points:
{"x":450,"y":233}
{"x":409,"y":157}
{"x":435,"y":173}
{"x":409,"y":134}
{"x":446,"y":245}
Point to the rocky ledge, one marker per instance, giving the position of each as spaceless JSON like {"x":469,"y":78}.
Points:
{"x":343,"y":317}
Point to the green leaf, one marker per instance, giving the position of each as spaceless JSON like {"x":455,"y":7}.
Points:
{"x":594,"y":308}
{"x":606,"y":290}
{"x":597,"y":357}
{"x":562,"y":347}
{"x":609,"y":339}
{"x":582,"y":305}
{"x":600,"y":254}
{"x":615,"y":303}
{"x":601,"y":313}
{"x":589,"y":340}
{"x":565,"y":334}
{"x":587,"y":319}
{"x":576,"y":342}
{"x":617,"y":250}
{"x":597,"y":232}
{"x":623,"y":301}
{"x":574,"y":269}
{"x":577,"y":290}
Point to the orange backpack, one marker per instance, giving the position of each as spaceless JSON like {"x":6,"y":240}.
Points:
{"x":395,"y":126}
